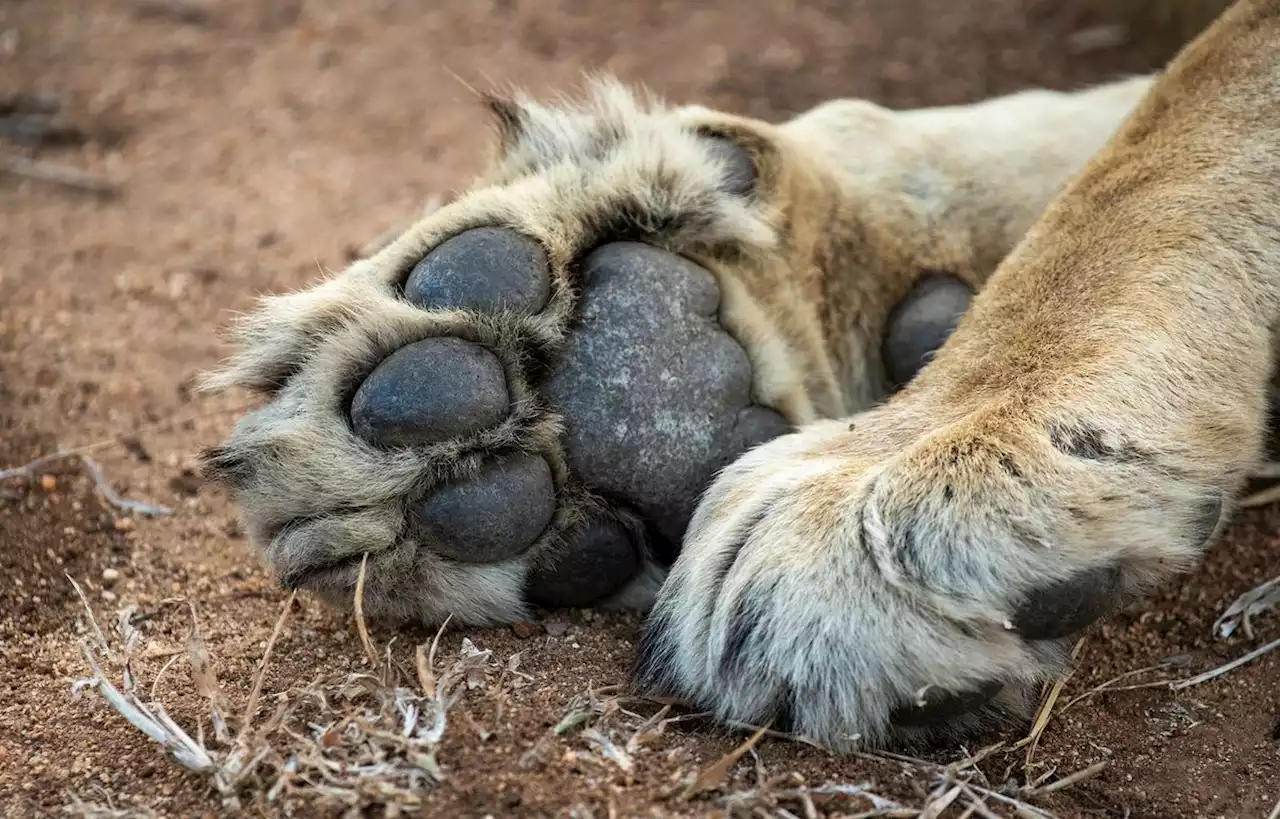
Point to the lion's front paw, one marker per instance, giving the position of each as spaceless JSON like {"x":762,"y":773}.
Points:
{"x":521,"y":399}
{"x":908,"y":579}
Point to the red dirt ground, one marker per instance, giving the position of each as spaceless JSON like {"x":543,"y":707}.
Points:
{"x":257,"y":142}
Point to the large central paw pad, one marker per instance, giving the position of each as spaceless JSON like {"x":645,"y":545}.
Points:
{"x":656,"y":396}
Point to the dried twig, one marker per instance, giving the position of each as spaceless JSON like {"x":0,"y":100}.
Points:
{"x":880,"y":806}
{"x":155,"y":724}
{"x":608,"y":749}
{"x":1240,"y":613}
{"x":934,"y":807}
{"x":366,"y":641}
{"x":115,"y":499}
{"x":63,"y":175}
{"x":714,"y":774}
{"x":1071,"y":779}
{"x":1179,"y":685}
{"x":769,"y":732}
{"x":1110,"y":685}
{"x":256,"y":692}
{"x":1263,"y":497}
{"x":93,"y":621}
{"x":972,"y":760}
{"x":352,"y":739}
{"x":109,"y":494}
{"x":977,"y":805}
{"x":1042,"y":719}
{"x":206,"y":681}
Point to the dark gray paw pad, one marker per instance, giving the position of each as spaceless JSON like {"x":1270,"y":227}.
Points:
{"x":656,"y":396}
{"x":601,"y":559}
{"x":485,"y":269}
{"x":757,"y":425}
{"x":493,"y":516}
{"x":1064,"y":608}
{"x":920,"y":324}
{"x":935,"y":705}
{"x":429,"y":391}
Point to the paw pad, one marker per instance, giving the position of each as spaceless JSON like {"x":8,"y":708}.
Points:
{"x":493,"y":516}
{"x":602,"y":558}
{"x":430,"y":391}
{"x":514,"y":387}
{"x":486,"y":269}
{"x":655,"y":394}
{"x":935,"y":706}
{"x":920,"y":324}
{"x":1062,"y":609}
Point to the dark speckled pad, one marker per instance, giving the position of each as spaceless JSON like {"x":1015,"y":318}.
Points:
{"x":655,"y":395}
{"x":920,"y":324}
{"x":943,"y":706}
{"x":430,"y":391}
{"x":1062,"y":609}
{"x":600,"y":560}
{"x":493,"y":516}
{"x":486,"y":269}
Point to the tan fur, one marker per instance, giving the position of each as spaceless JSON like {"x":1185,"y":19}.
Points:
{"x":1096,"y":410}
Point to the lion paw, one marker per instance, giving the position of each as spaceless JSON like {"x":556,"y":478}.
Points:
{"x":521,"y":399}
{"x":905,"y":579}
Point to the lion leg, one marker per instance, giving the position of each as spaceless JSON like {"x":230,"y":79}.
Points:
{"x":921,"y":568}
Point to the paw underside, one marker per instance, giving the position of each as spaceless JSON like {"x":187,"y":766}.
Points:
{"x":520,"y":400}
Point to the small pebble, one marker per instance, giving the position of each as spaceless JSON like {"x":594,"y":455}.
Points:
{"x":124,"y":524}
{"x":109,"y":596}
{"x":48,"y":483}
{"x":556,"y":628}
{"x":524,"y":629}
{"x":110,"y":575}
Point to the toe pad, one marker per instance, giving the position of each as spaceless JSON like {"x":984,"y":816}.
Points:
{"x":430,"y":391}
{"x":1062,"y":609}
{"x":602,"y":558}
{"x":485,"y":269}
{"x":493,"y":516}
{"x":921,"y":323}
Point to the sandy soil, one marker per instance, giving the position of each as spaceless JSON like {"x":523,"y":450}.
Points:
{"x":257,"y":142}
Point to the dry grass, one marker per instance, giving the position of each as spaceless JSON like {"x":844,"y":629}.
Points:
{"x":345,"y":740}
{"x":353,"y":741}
